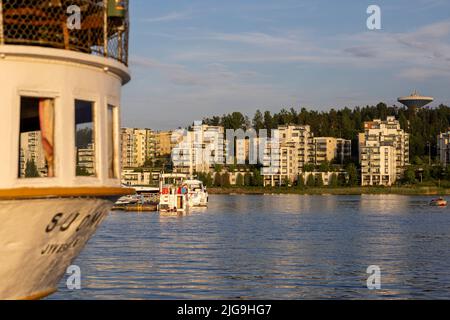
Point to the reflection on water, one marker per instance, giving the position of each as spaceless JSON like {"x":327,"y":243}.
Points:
{"x":274,"y":247}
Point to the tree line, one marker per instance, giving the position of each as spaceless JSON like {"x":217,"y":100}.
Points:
{"x":423,"y":126}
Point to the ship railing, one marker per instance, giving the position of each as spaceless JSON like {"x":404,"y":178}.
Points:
{"x":103,"y":27}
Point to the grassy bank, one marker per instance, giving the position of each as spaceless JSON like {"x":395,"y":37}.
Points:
{"x":406,"y":190}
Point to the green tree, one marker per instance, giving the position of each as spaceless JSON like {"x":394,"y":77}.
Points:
{"x":417,"y":161}
{"x":248,"y":179}
{"x":447,"y":173}
{"x":225,"y":180}
{"x":324,"y":167}
{"x":409,"y":176}
{"x":333,"y":181}
{"x":209,"y":180}
{"x":352,"y":174}
{"x":217,"y":179}
{"x":311,"y":181}
{"x":235,"y":120}
{"x":268,"y":121}
{"x":300,"y":182}
{"x":319,"y":181}
{"x":423,"y":125}
{"x":31,"y":170}
{"x":342,"y":180}
{"x":202,"y":177}
{"x":258,"y":121}
{"x":257,"y":178}
{"x":239,"y":180}
{"x":426,"y":173}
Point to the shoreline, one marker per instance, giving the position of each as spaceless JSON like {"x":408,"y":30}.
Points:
{"x":424,"y":191}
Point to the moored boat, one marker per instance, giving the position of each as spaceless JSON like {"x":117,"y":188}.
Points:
{"x":439,"y":202}
{"x":198,"y":196}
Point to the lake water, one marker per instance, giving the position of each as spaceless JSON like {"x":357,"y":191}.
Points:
{"x":272,"y":247}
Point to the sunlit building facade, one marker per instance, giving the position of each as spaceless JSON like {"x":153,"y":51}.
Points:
{"x":199,"y":150}
{"x":295,"y":149}
{"x":138,"y":146}
{"x":330,"y":149}
{"x":383,"y":152}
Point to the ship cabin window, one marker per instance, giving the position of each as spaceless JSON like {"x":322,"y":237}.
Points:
{"x":85,"y":138}
{"x":112,"y":136}
{"x":36,"y":138}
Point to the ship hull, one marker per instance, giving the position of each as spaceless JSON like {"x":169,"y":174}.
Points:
{"x":40,"y":238}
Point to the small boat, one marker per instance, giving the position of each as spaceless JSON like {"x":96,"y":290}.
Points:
{"x":174,"y":198}
{"x":439,"y":202}
{"x":198,"y":196}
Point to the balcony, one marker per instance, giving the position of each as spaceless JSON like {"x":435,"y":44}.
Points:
{"x":103,"y":31}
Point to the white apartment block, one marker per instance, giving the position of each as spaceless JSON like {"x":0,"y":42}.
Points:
{"x":134,"y":178}
{"x":329,"y":149}
{"x":199,"y":150}
{"x":383,"y":152}
{"x":138,"y":145}
{"x":443,"y":148}
{"x":295,"y":149}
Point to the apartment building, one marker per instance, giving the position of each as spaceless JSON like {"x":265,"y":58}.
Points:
{"x":138,"y":145}
{"x":134,"y":178}
{"x":383,"y":152}
{"x":284,"y":159}
{"x":199,"y":150}
{"x":443,"y":148}
{"x":31,"y":149}
{"x":164,"y":143}
{"x":86,"y":161}
{"x":329,"y":149}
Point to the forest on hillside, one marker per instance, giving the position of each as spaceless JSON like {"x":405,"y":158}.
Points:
{"x":424,"y":125}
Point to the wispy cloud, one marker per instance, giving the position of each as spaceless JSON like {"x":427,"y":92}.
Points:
{"x":252,"y":38}
{"x":427,"y":47}
{"x":213,"y":74}
{"x":172,"y":16}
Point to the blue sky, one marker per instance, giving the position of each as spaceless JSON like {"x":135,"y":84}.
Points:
{"x":196,"y":58}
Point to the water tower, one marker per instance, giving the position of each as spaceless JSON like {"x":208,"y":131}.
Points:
{"x":415,"y":101}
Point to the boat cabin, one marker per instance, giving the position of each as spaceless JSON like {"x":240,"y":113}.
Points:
{"x":60,"y":93}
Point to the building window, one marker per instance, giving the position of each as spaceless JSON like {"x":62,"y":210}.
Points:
{"x":36,"y":138}
{"x":85,"y":138}
{"x":112,"y":135}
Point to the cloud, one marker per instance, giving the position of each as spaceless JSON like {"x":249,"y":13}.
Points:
{"x":210,"y":73}
{"x":173,"y":16}
{"x":361,"y":52}
{"x":425,"y":45}
{"x":422,"y":74}
{"x":252,"y":38}
{"x":214,"y":74}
